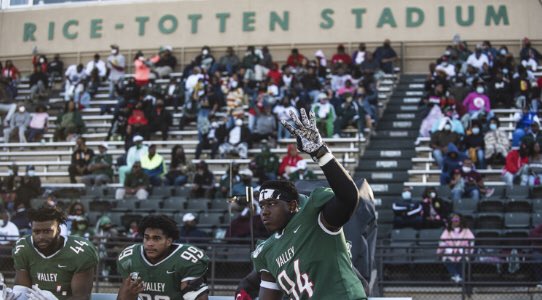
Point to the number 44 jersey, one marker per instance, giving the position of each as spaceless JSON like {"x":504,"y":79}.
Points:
{"x":162,"y":281}
{"x":54,"y":273}
{"x":307,"y":260}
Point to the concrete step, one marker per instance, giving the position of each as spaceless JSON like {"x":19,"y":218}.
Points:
{"x":395,"y":153}
{"x":391,"y":165}
{"x":389,"y":134}
{"x":398,"y":125}
{"x":383,"y":177}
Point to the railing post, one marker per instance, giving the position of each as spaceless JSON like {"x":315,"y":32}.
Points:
{"x":213,"y":267}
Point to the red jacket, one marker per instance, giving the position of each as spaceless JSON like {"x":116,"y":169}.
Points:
{"x":137,"y":118}
{"x":514,"y":162}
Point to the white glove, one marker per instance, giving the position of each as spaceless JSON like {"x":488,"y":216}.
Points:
{"x":17,"y":293}
{"x":37,"y":294}
{"x":306,"y":133}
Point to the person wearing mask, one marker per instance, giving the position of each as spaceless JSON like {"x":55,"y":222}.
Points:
{"x":142,"y":69}
{"x":138,"y":123}
{"x":136,"y":184}
{"x":474,"y":144}
{"x":302,"y":172}
{"x":535,"y":165}
{"x":229,"y":62}
{"x":161,"y":119}
{"x":116,"y":64}
{"x":96,"y":63}
{"x":407,"y":212}
{"x":239,"y":188}
{"x":452,"y":161}
{"x":289,"y":161}
{"x":496,"y":142}
{"x":441,"y":139}
{"x":240,"y":227}
{"x":534,"y":135}
{"x":55,"y":68}
{"x":477,"y":102}
{"x":189,"y":231}
{"x":236,"y":141}
{"x":81,"y":159}
{"x":20,"y":121}
{"x":325,"y":115}
{"x":467,"y":182}
{"x":359,"y":55}
{"x":69,"y":124}
{"x":100,"y":168}
{"x":295,"y":58}
{"x":133,"y":155}
{"x":38,"y":124}
{"x":9,"y":233}
{"x":524,"y":120}
{"x":20,"y":218}
{"x":515,"y":167}
{"x":478,"y":59}
{"x":154,"y":166}
{"x":435,"y":209}
{"x":266,"y":126}
{"x":211,"y":140}
{"x":456,"y":244}
{"x":38,"y":83}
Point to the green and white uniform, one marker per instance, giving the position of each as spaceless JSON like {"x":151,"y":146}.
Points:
{"x":162,"y":281}
{"x":307,"y":260}
{"x":54,"y":273}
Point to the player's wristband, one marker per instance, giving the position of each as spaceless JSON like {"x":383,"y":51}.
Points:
{"x":318,"y":154}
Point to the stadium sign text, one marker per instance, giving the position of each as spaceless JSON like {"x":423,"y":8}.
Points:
{"x":168,"y":24}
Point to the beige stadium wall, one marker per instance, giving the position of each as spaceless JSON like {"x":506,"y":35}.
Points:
{"x":419,"y":29}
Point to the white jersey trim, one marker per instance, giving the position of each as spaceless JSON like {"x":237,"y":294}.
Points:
{"x":52,"y":255}
{"x":325,"y":229}
{"x":270,"y":285}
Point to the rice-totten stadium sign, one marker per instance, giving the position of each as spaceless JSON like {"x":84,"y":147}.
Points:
{"x":234,"y":22}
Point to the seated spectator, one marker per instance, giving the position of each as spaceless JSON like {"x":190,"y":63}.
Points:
{"x":282,"y":112}
{"x":21,"y":219}
{"x":38,"y":124}
{"x":164,"y":62}
{"x":81,"y":159}
{"x":359,"y":55}
{"x":142,"y":69}
{"x":76,"y":210}
{"x":75,"y":82}
{"x":9,"y":233}
{"x":12,"y":75}
{"x":69,"y":124}
{"x":245,"y":180}
{"x":189,"y":232}
{"x":407,"y":212}
{"x":91,"y":89}
{"x":203,"y":185}
{"x":515,"y":167}
{"x":236,"y":141}
{"x":295,"y":58}
{"x":162,"y":119}
{"x":386,"y":56}
{"x":441,"y":139}
{"x":138,"y":122}
{"x":154,"y":166}
{"x":478,"y":58}
{"x":527,"y":51}
{"x":240,"y":227}
{"x":230,"y":177}
{"x":289,"y":161}
{"x":496,"y":143}
{"x":500,"y":91}
{"x":535,"y":165}
{"x":133,"y":155}
{"x":477,"y":102}
{"x":39,"y":84}
{"x":265,"y":164}
{"x":205,"y":60}
{"x":524,"y":121}
{"x":341,"y":58}
{"x":348,"y":115}
{"x":325,"y":115}
{"x":136,"y":184}
{"x":536,"y":242}
{"x":55,"y":68}
{"x":370,"y":65}
{"x":25,"y":188}
{"x":81,"y":228}
{"x":229,"y":62}
{"x":435,"y":114}
{"x":534,"y":135}
{"x":96,"y":63}
{"x":266,"y":126}
{"x":211,"y":139}
{"x":20,"y":122}
{"x":474,"y":144}
{"x":455,"y":245}
{"x":100,"y":168}
{"x":435,"y":209}
{"x":302,"y":172}
{"x":467,"y":182}
{"x":180,"y":167}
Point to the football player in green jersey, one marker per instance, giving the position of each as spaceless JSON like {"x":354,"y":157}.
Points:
{"x":49,"y":266}
{"x":307,"y":256}
{"x":159,"y":269}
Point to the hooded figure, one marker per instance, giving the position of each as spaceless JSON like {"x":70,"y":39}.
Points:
{"x":432,"y":118}
{"x":452,"y":161}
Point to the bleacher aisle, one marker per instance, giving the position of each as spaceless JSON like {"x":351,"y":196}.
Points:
{"x":387,"y":159}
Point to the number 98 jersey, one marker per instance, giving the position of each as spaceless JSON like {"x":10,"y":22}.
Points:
{"x":162,"y":281}
{"x":54,"y":273}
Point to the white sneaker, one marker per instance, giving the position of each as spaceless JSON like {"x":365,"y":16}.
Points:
{"x":457,"y":279}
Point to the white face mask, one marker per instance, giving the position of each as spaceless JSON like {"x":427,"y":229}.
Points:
{"x":141,"y":58}
{"x":406,"y":195}
{"x":31,"y":173}
{"x":476,"y":130}
{"x":457,"y":229}
{"x":480,"y":90}
{"x":432,"y":195}
{"x":113,"y":51}
{"x":466,"y":169}
{"x":205,"y":52}
{"x":22,"y":109}
{"x":42,"y":60}
{"x":233,"y":84}
{"x":493,"y":126}
{"x":447,"y":127}
{"x":503,"y":51}
{"x":10,"y":172}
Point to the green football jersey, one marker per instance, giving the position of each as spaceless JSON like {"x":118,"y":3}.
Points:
{"x":162,"y":280}
{"x":54,"y":273}
{"x":307,"y":260}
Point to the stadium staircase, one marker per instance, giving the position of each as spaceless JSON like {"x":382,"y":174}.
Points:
{"x":388,"y":157}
